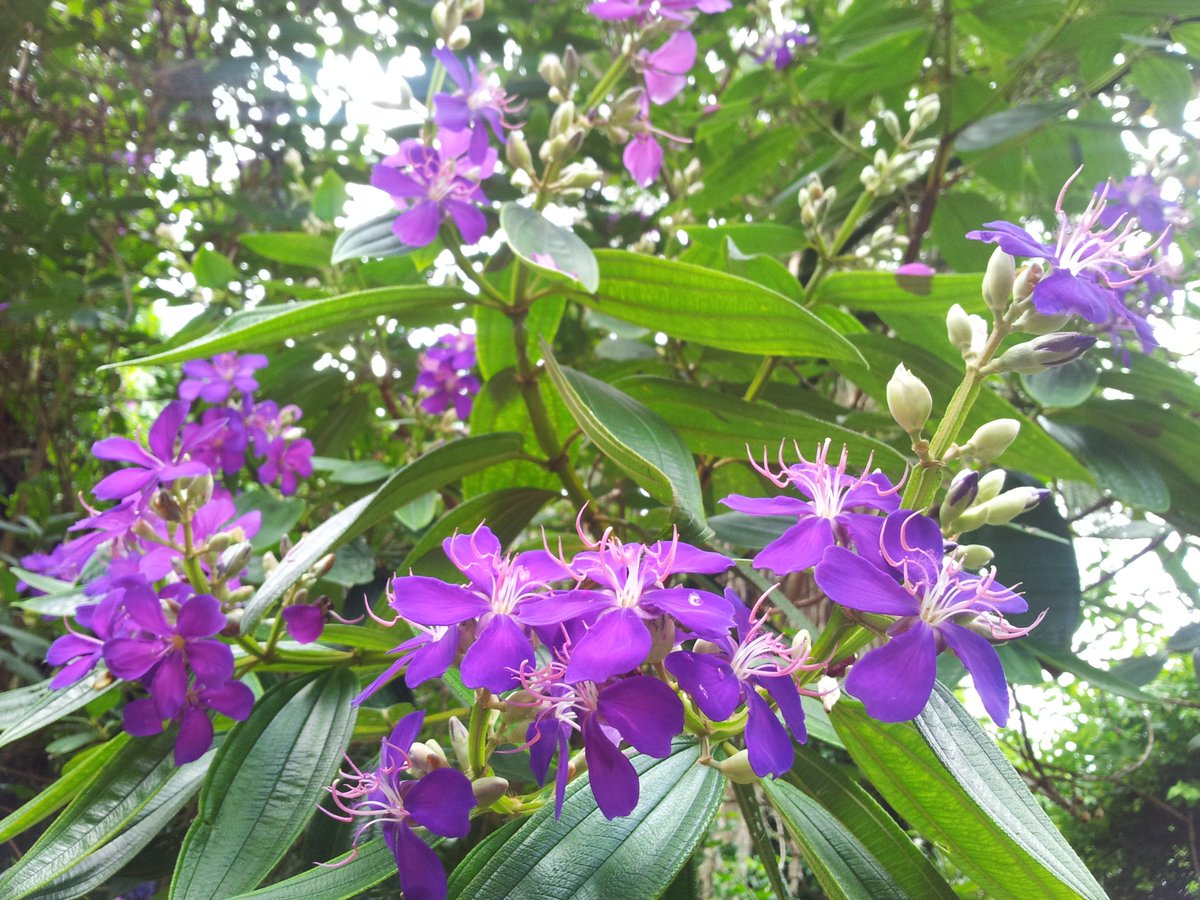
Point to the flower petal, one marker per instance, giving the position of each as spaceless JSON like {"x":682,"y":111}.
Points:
{"x":705,"y":613}
{"x":200,"y":617}
{"x":1060,"y":294}
{"x":418,"y":225}
{"x":646,"y":712}
{"x":195,"y":736}
{"x":768,"y":506}
{"x":851,"y":581}
{"x":618,"y":643}
{"x":500,"y":649}
{"x":304,"y":622}
{"x":433,"y":602}
{"x":563,"y":606}
{"x":982,"y":661}
{"x":211,"y":661}
{"x":894,"y":681}
{"x":130,"y":658}
{"x":421,"y":874}
{"x":433,"y":659}
{"x":798,"y":548}
{"x":767,"y":740}
{"x":142,"y":719}
{"x":708,"y":680}
{"x":442,"y":802}
{"x":232,"y":699}
{"x":612,"y":776}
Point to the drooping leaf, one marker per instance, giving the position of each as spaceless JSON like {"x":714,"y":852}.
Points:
{"x":1123,"y":470}
{"x":265,"y":784}
{"x":266,"y":326}
{"x":552,"y":250}
{"x":583,"y":856}
{"x":1063,"y":386}
{"x":708,"y":307}
{"x":329,"y":197}
{"x":633,"y":437}
{"x":213,"y":269}
{"x":439,"y":467}
{"x":844,"y":867}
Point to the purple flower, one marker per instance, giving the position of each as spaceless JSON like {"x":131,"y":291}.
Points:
{"x":500,"y":589}
{"x":286,"y":460}
{"x":265,"y":421}
{"x":144,"y":718}
{"x":937,"y":605}
{"x":219,"y":440}
{"x":165,"y":651}
{"x":214,"y":380}
{"x":643,"y":11}
{"x":640,"y":709}
{"x":160,"y":464}
{"x":827,"y":516}
{"x":643,"y":158}
{"x":1138,"y":197}
{"x":440,"y":800}
{"x":630,"y":593}
{"x":666,"y":69}
{"x":79,"y":653}
{"x":1089,"y":265}
{"x":719,"y":682}
{"x":480,"y":106}
{"x":429,"y":183}
{"x":779,"y":47}
{"x":444,"y":375}
{"x":304,"y":621}
{"x":427,"y":655}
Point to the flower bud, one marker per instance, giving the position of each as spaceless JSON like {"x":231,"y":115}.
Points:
{"x":801,"y":643}
{"x":992,"y":438}
{"x":1026,"y":280}
{"x":516,"y":151}
{"x":427,"y":756}
{"x":662,"y":638}
{"x":891,"y":123}
{"x":1010,"y":504}
{"x":198,"y":490}
{"x":552,"y":71}
{"x":998,"y":281}
{"x":241,"y":595}
{"x":1033,"y":322}
{"x":927,"y":110}
{"x":1046,"y":352}
{"x":736,"y":768}
{"x":703,"y":646}
{"x":909,"y":401}
{"x":234,"y":559}
{"x":570,"y":64}
{"x":831,"y":692}
{"x":460,"y":742}
{"x":961,"y":494}
{"x":445,"y":16}
{"x":489,"y":789}
{"x":870,"y":179}
{"x":974,"y":556}
{"x":322,"y":566}
{"x":958,"y":329}
{"x":472,"y":10}
{"x":990,"y":485}
{"x":269,"y":563}
{"x":460,"y":38}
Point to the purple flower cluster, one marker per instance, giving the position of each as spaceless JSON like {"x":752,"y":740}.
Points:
{"x":609,"y":620}
{"x":1095,"y":261}
{"x":167,"y":557}
{"x":445,"y":377}
{"x":664,"y":69}
{"x":779,"y":47}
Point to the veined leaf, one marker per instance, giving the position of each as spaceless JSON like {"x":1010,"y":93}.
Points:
{"x":373,"y":238}
{"x":265,"y":326}
{"x":881,"y":292}
{"x":45,"y":707}
{"x":583,"y":856}
{"x":709,"y":307}
{"x":265,"y":784}
{"x":293,"y":248}
{"x":633,"y":437}
{"x":439,"y":467}
{"x":372,"y":864}
{"x":843,"y":866}
{"x":561,"y":256}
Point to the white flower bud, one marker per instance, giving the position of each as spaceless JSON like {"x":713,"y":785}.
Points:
{"x":460,"y":38}
{"x":998,"y":281}
{"x":891,"y":123}
{"x":1010,"y":504}
{"x":473,"y":9}
{"x":736,"y":768}
{"x":516,"y":151}
{"x":831,"y":692}
{"x":489,"y":789}
{"x":870,"y":179}
{"x":927,"y":110}
{"x":563,"y":119}
{"x":990,"y":485}
{"x":958,"y":328}
{"x":552,"y":71}
{"x":992,"y":439}
{"x":1033,"y":322}
{"x":1026,"y":280}
{"x":974,"y":556}
{"x":460,"y":742}
{"x":909,"y":400}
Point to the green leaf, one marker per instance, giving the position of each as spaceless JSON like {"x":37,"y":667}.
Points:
{"x":45,"y":706}
{"x":957,"y":213}
{"x":881,"y":292}
{"x":266,"y":326}
{"x":985,"y":775}
{"x":585,"y":856}
{"x":529,"y":233}
{"x":751,"y":237}
{"x":373,"y":238}
{"x":103,"y":809}
{"x":294,"y":248}
{"x":1007,"y":124}
{"x":1164,"y":79}
{"x":434,"y":469}
{"x":329,"y":197}
{"x":637,"y":440}
{"x":839,"y":793}
{"x":1140,"y":670}
{"x":1186,"y":638}
{"x":1058,"y":660}
{"x":704,"y":306}
{"x":723,"y":425}
{"x":346,"y":471}
{"x":1120,"y":468}
{"x":279,"y":515}
{"x":213,"y":269}
{"x":59,"y":793}
{"x":1063,"y":386}
{"x":371,"y":865}
{"x":843,"y":866}
{"x":106,"y":861}
{"x":494,"y":347}
{"x":265,"y":784}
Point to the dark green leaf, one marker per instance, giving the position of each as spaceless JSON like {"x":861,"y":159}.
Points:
{"x":265,"y":784}
{"x":1066,"y":661}
{"x":372,"y":864}
{"x":957,"y":213}
{"x":294,"y":248}
{"x":1139,"y":670}
{"x":583,"y":856}
{"x":751,"y":237}
{"x":1120,"y":469}
{"x":213,"y":269}
{"x":531,"y":234}
{"x":1007,"y":124}
{"x":346,"y":471}
{"x":1186,"y":638}
{"x":708,"y":307}
{"x":437,"y":468}
{"x":45,"y":706}
{"x":843,"y":866}
{"x":880,"y":292}
{"x":279,"y":515}
{"x":266,"y":326}
{"x":633,"y":437}
{"x":1063,"y":386}
{"x":1164,"y":79}
{"x":373,"y":238}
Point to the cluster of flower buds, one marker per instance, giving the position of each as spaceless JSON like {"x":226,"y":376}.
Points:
{"x":889,"y":171}
{"x":975,"y":500}
{"x":450,"y":18}
{"x":815,"y":201}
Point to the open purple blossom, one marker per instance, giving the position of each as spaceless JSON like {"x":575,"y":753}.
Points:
{"x":219,"y":440}
{"x":643,"y":11}
{"x":286,"y":462}
{"x":79,"y":653}
{"x":720,"y":682}
{"x":440,"y":801}
{"x":144,"y":718}
{"x":640,"y":709}
{"x":481,"y":105}
{"x":1091,"y":261}
{"x":161,"y":463}
{"x":630,"y":593}
{"x":165,"y":651}
{"x":430,"y":183}
{"x":499,"y":590}
{"x":936,"y":604}
{"x":666,"y":69}
{"x":266,"y":421}
{"x":1138,"y":197}
{"x":215,"y":380}
{"x":827,"y":517}
{"x":426,"y":655}
{"x":445,"y":377}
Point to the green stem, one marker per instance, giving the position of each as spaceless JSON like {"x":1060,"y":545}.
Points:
{"x":761,"y":377}
{"x":757,"y":826}
{"x":190,"y":561}
{"x":609,"y":78}
{"x":477,"y":734}
{"x":450,"y":239}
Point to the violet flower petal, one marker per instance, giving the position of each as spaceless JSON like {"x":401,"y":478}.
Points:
{"x":798,"y":548}
{"x":211,"y":661}
{"x":612,"y":776}
{"x":142,"y":719}
{"x":429,"y":601}
{"x":982,"y":661}
{"x":200,"y":617}
{"x":195,"y":736}
{"x":851,"y":581}
{"x":618,"y":643}
{"x":421,"y":874}
{"x":304,"y":622}
{"x":707,"y":614}
{"x":442,"y":801}
{"x":646,"y":712}
{"x":766,"y":739}
{"x":767,"y":506}
{"x":894,"y":681}
{"x":498,"y":651}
